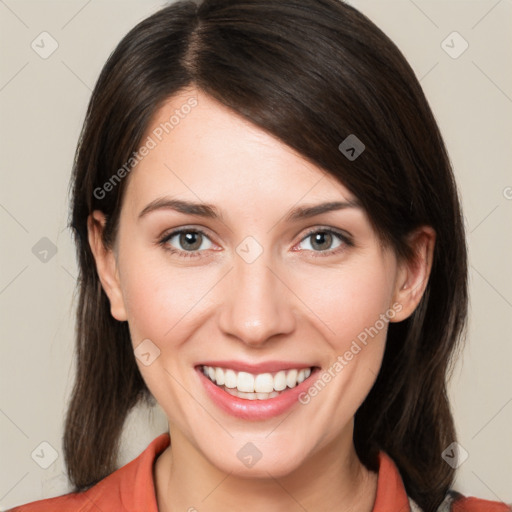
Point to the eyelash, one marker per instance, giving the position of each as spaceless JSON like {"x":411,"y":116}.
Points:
{"x":345,"y":239}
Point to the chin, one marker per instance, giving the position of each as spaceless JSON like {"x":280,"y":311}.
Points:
{"x":253,"y":456}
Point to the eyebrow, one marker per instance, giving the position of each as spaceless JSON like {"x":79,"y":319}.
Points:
{"x":187,"y":207}
{"x":306,"y":212}
{"x":210,"y":211}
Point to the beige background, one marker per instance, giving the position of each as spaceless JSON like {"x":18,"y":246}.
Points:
{"x":42,"y":105}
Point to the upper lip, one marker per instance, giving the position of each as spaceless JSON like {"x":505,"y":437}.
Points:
{"x":255,"y":368}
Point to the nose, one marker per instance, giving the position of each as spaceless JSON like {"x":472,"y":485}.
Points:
{"x":257,"y":303}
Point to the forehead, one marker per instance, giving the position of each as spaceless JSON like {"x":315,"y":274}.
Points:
{"x":202,"y":150}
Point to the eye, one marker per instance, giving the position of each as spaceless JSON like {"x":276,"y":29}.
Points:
{"x":186,"y":242}
{"x":325,"y":241}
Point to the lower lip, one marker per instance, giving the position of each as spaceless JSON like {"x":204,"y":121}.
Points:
{"x":255,"y":410}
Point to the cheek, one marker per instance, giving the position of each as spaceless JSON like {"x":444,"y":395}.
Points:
{"x":352,"y":303}
{"x":165,"y":305}
{"x":158,"y":296}
{"x":349,"y":301}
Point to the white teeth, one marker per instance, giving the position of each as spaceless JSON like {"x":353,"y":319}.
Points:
{"x":291,"y":378}
{"x":264,"y":383}
{"x":219,"y":376}
{"x":250,"y":396}
{"x":280,"y":381}
{"x":245,"y":382}
{"x":230,"y":379}
{"x":259,"y":386}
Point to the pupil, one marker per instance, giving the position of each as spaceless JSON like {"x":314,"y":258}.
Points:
{"x":321,"y":239}
{"x":190,"y":241}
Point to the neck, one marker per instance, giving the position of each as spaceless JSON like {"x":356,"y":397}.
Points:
{"x":332,"y":479}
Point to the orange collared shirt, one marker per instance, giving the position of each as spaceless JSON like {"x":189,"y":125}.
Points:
{"x":132,"y":489}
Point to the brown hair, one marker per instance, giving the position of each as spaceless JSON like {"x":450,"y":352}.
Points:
{"x":309,"y":72}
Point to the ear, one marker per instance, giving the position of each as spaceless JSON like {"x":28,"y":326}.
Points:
{"x":106,"y":265}
{"x":413,"y":274}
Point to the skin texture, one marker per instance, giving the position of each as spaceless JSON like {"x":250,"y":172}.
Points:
{"x":293,"y":303}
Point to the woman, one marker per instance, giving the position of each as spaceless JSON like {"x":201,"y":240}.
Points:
{"x":271,"y":247}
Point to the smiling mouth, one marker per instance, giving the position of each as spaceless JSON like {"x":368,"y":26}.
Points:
{"x":261,"y":386}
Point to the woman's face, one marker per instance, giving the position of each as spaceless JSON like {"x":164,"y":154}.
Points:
{"x":264,"y":283}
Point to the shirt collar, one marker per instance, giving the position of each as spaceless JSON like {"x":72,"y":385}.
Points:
{"x":137,"y":493}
